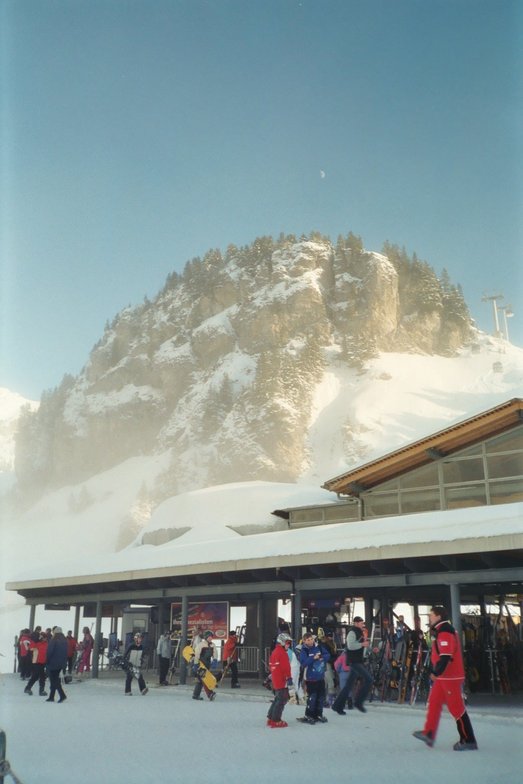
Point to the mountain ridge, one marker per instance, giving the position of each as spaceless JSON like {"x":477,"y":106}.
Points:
{"x":221,"y":367}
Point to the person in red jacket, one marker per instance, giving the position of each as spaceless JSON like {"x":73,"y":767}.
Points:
{"x":39,"y":657}
{"x":72,"y":645}
{"x":230,"y":658}
{"x":447,"y":676}
{"x":280,"y":667}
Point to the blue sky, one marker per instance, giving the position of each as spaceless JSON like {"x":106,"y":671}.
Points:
{"x":137,"y":134}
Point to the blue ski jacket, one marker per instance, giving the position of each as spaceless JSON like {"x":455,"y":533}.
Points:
{"x":314,"y":667}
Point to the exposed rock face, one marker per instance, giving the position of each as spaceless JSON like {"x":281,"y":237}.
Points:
{"x":221,"y":367}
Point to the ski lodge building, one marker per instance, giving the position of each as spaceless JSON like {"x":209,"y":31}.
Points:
{"x":437,"y":521}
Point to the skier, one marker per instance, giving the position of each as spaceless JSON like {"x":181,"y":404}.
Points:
{"x":134,"y":658}
{"x":230,"y":658}
{"x":314,"y":658}
{"x":280,"y":667}
{"x":447,"y":678}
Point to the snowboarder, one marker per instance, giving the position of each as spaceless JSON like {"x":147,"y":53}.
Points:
{"x":205,"y":654}
{"x":134,"y":658}
{"x":447,"y":678}
{"x":280,"y":667}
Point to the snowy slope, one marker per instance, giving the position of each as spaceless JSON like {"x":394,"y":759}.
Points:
{"x":400,"y":398}
{"x":11,"y":404}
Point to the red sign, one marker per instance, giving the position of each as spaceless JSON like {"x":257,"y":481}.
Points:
{"x":202,"y":616}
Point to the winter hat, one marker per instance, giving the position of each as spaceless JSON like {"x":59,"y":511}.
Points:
{"x":208,"y":634}
{"x":57,"y":630}
{"x":357,"y":619}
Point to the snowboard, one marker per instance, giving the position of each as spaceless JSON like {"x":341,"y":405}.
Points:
{"x":119,"y":660}
{"x":202,"y":671}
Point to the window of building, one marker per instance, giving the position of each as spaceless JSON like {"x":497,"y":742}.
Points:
{"x":468,"y":495}
{"x":508,"y":492}
{"x":420,"y":500}
{"x":502,"y":465}
{"x":381,"y":504}
{"x":506,"y":442}
{"x":427,"y":476}
{"x":469,"y":469}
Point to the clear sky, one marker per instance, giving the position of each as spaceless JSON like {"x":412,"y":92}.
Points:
{"x":137,"y":134}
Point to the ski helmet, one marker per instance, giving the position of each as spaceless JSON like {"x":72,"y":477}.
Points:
{"x":283,"y":638}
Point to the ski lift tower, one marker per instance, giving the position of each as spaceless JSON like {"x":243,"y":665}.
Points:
{"x":507,"y":313}
{"x":494,"y":298}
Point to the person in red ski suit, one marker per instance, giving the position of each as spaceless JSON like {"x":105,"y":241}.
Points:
{"x":447,"y":676}
{"x":86,"y":647}
{"x":280,"y":667}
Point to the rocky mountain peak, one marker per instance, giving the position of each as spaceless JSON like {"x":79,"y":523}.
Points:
{"x":221,"y":367}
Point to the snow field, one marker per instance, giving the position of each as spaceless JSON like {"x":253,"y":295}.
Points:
{"x":99,"y":735}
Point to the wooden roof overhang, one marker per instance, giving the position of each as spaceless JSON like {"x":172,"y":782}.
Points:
{"x":419,"y":453}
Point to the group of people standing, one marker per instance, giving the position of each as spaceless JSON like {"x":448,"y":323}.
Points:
{"x":50,"y":654}
{"x":447,"y":678}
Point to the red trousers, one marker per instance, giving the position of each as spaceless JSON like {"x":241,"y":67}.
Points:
{"x":444,"y":692}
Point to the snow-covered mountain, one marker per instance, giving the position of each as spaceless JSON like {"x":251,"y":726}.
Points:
{"x":221,"y":368}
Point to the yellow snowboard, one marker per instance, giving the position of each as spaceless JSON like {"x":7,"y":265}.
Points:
{"x":203,"y":673}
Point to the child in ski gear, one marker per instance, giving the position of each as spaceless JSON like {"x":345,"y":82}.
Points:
{"x":204,"y":653}
{"x":342,"y":670}
{"x":134,"y":658}
{"x":280,"y":667}
{"x":356,"y":644}
{"x":314,"y":658}
{"x":327,"y":641}
{"x":230,"y":658}
{"x":447,"y":676}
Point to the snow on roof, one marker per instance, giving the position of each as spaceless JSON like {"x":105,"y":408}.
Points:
{"x":210,"y":513}
{"x":481,"y":529}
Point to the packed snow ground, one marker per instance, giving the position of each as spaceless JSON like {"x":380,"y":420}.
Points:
{"x":99,"y":735}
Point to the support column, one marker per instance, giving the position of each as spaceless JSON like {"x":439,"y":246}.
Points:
{"x":455,"y":609}
{"x":32,"y":613}
{"x":184,"y":641}
{"x":369,"y":612}
{"x":160,"y":619}
{"x":261,"y":636}
{"x":296,"y":617}
{"x":97,"y":639}
{"x":76,"y":621}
